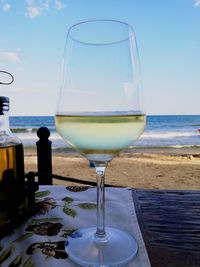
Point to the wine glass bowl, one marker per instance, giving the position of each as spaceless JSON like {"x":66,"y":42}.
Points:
{"x":100,"y":113}
{"x":100,"y":137}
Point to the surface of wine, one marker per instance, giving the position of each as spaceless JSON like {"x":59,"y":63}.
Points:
{"x":100,"y":137}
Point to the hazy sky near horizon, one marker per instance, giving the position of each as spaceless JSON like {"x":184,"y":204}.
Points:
{"x":32,"y":39}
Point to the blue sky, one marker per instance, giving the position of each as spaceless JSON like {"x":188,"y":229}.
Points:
{"x":32,"y":38}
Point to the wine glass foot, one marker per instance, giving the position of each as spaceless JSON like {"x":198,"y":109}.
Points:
{"x":118,"y":249}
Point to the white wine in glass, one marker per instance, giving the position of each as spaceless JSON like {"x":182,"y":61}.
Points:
{"x":100,"y":113}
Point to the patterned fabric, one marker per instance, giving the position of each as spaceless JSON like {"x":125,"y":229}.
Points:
{"x":41,"y":240}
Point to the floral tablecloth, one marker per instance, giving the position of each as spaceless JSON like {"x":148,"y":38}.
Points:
{"x":40,"y":241}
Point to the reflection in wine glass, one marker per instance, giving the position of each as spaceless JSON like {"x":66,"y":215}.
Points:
{"x":100,"y":113}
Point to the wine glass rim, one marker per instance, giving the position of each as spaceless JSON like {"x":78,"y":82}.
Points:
{"x":131,"y":33}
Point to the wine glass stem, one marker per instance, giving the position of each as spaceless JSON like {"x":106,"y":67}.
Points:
{"x":100,"y":232}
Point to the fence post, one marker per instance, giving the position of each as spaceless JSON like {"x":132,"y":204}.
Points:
{"x":44,"y":157}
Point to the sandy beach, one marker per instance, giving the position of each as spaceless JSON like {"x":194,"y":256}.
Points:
{"x":140,"y":168}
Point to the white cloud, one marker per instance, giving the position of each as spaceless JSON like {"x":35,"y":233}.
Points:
{"x":10,"y":56}
{"x":33,"y":12}
{"x":59,"y":5}
{"x":29,"y":2}
{"x":45,"y":5}
{"x":35,"y":8}
{"x":197,"y":3}
{"x":6,"y":7}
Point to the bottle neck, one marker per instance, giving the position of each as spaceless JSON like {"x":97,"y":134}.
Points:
{"x":4,"y":122}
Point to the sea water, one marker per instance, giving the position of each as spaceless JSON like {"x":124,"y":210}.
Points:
{"x":161,"y":131}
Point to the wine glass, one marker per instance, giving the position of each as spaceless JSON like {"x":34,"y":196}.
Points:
{"x":99,"y":113}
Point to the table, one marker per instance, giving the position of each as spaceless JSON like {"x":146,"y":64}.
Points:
{"x":169,"y":221}
{"x":64,"y":211}
{"x":170,"y":225}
